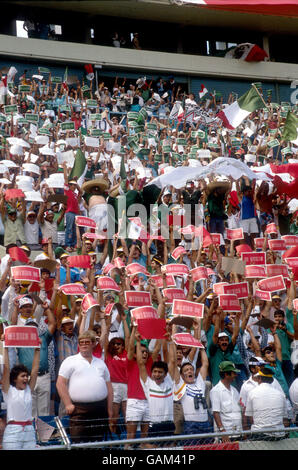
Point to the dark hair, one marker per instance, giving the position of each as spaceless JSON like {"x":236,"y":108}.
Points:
{"x":160,"y":365}
{"x":111,"y":344}
{"x":186,"y":364}
{"x":11,"y":245}
{"x":296,"y":370}
{"x":222,"y":374}
{"x":279,"y":312}
{"x":15,"y":372}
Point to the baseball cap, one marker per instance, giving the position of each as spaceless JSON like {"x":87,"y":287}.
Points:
{"x":256,"y":361}
{"x":276,"y":297}
{"x":264,"y":372}
{"x":228,"y":366}
{"x":25,"y":301}
{"x":223,"y":335}
{"x":31,"y":321}
{"x":66,"y":320}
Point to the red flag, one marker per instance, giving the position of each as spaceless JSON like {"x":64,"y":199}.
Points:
{"x":17,"y":254}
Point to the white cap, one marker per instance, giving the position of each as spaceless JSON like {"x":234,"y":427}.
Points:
{"x":223,"y":335}
{"x":25,"y":301}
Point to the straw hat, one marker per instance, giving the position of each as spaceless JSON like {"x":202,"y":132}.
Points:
{"x":100,"y":182}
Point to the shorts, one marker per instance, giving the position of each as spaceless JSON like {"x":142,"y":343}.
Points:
{"x":137,"y":410}
{"x":164,"y":428}
{"x":249,"y":226}
{"x":120,"y":392}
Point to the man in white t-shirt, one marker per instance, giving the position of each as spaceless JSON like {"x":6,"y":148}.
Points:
{"x":85,"y":388}
{"x":158,"y":390}
{"x":225,"y":400}
{"x":266,"y":407}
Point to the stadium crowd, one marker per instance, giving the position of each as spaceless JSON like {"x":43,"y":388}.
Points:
{"x":154,"y":248}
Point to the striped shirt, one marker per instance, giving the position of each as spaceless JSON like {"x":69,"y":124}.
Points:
{"x":160,"y":399}
{"x":65,"y":345}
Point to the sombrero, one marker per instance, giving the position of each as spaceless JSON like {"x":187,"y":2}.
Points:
{"x":100,"y":182}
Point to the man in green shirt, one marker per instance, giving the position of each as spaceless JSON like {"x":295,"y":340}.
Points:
{"x":13,"y":224}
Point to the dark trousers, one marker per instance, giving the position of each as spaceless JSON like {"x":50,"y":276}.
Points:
{"x":89,"y":422}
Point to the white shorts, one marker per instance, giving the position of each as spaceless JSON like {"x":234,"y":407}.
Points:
{"x":137,"y":410}
{"x":120,"y":392}
{"x":249,"y":225}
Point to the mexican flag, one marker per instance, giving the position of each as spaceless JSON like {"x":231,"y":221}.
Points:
{"x":248,"y":52}
{"x":177,"y":111}
{"x":203,"y":91}
{"x":290,"y":132}
{"x":233,"y":115}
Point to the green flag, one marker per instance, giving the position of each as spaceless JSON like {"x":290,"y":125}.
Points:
{"x":79,"y":166}
{"x":290,"y":128}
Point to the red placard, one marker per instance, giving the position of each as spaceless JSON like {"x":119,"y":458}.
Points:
{"x":144,"y":312}
{"x":290,"y":240}
{"x":235,"y":233}
{"x":254,"y":258}
{"x":176,"y":269}
{"x":170,"y":281}
{"x":17,"y":254}
{"x":272,"y":284}
{"x":277,"y":245}
{"x":188,"y":230}
{"x":137,"y":298}
{"x":186,"y":339}
{"x":263,"y":295}
{"x":119,"y":263}
{"x":108,"y":268}
{"x":85,"y":222}
{"x":109,"y":308}
{"x":21,"y":337}
{"x":259,"y":243}
{"x":180,"y":250}
{"x":271,"y":228}
{"x":25,"y":273}
{"x":73,"y":289}
{"x":88,"y":302}
{"x":292,"y":262}
{"x":79,"y":261}
{"x":173,"y":293}
{"x":107,"y":283}
{"x":291,"y":253}
{"x":218,"y":287}
{"x":152,"y":328}
{"x":229,"y":303}
{"x":295,"y":304}
{"x":240,"y":289}
{"x":186,"y":308}
{"x":255,"y":271}
{"x":199,"y":273}
{"x":276,"y":270}
{"x":13,"y":194}
{"x":215,"y":238}
{"x":94,"y":236}
{"x":136,"y":268}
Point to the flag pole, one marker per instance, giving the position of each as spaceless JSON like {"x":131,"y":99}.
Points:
{"x":254,"y":86}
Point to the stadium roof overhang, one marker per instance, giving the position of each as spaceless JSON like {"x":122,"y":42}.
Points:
{"x":267,"y":16}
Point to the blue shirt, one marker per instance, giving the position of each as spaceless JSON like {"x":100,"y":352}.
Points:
{"x":74,"y":275}
{"x":247,"y":208}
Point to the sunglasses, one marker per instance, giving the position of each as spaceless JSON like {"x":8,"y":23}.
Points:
{"x":84,"y":342}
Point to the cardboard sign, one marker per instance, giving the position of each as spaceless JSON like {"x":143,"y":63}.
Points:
{"x":276,"y":270}
{"x":152,"y":328}
{"x":17,"y":254}
{"x":271,"y":228}
{"x":295,"y":304}
{"x":176,"y":269}
{"x":107,"y":283}
{"x":255,"y":271}
{"x":199,"y":273}
{"x":94,"y":236}
{"x":170,"y":281}
{"x":277,"y":245}
{"x":13,"y":194}
{"x":290,"y":240}
{"x":73,"y":289}
{"x":144,"y":312}
{"x":79,"y":261}
{"x":259,"y":243}
{"x":119,"y":263}
{"x":240,"y":289}
{"x":180,"y":250}
{"x":229,"y":303}
{"x":25,"y":273}
{"x":186,"y":308}
{"x":136,"y":268}
{"x":292,"y":262}
{"x":235,"y":233}
{"x":254,"y":257}
{"x":272,"y":284}
{"x":291,"y":253}
{"x":218,"y":287}
{"x":88,"y":302}
{"x":263,"y":295}
{"x":21,"y":337}
{"x":108,"y":268}
{"x":109,"y":308}
{"x":171,"y":294}
{"x":215,"y":238}
{"x":186,"y":339}
{"x":137,"y":298}
{"x":85,"y":222}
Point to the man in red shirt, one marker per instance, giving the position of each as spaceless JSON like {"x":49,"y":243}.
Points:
{"x":74,"y":195}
